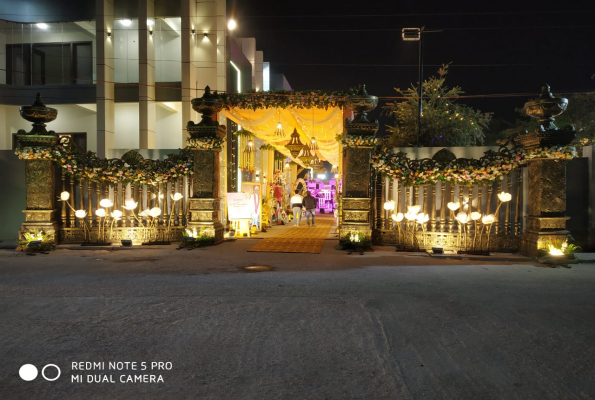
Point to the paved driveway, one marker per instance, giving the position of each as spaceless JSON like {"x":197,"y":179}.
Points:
{"x":327,"y":326}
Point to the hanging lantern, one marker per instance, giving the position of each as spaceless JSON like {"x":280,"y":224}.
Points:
{"x":316,"y":161}
{"x":279,"y":132}
{"x":313,"y":144}
{"x":249,"y":147}
{"x":306,"y":156}
{"x":334,"y":169}
{"x":295,"y":145}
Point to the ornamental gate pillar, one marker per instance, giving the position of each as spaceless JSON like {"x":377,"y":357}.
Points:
{"x":204,"y":204}
{"x":39,"y":172}
{"x":546,"y":222}
{"x":357,"y":212}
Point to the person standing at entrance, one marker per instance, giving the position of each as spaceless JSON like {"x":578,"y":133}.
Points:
{"x":296,"y":205}
{"x":309,"y":204}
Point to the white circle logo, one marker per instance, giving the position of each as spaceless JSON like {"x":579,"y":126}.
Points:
{"x":28,"y":372}
{"x":43,"y":372}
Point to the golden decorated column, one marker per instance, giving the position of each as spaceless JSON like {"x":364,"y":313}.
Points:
{"x":357,"y":199}
{"x":546,"y":222}
{"x":206,"y":138}
{"x":39,"y":171}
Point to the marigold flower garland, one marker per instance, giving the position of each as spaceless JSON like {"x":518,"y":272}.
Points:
{"x":205,"y":143}
{"x":462,"y":172}
{"x":88,"y":166}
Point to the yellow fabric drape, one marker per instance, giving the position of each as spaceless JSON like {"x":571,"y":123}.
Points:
{"x":322,"y":124}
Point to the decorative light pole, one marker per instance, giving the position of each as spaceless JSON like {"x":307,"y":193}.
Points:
{"x":547,"y":218}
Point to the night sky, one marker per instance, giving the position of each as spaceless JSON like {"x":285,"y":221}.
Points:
{"x":494,"y":47}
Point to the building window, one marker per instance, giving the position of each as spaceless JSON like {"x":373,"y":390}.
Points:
{"x":49,"y":63}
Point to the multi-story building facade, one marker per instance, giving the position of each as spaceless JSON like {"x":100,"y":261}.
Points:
{"x":121,"y":73}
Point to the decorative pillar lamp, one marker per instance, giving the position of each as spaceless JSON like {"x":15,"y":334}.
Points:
{"x":546,"y":222}
{"x":206,"y":138}
{"x":39,"y":173}
{"x":356,"y":210}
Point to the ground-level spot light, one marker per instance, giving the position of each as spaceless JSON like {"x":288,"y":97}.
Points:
{"x":257,"y":268}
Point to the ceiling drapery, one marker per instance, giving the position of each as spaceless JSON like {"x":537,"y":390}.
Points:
{"x":322,"y":124}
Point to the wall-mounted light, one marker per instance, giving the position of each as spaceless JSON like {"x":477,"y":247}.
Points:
{"x":231,"y":25}
{"x":109,"y":34}
{"x":193,"y":31}
{"x":205,"y":34}
{"x":151,"y":33}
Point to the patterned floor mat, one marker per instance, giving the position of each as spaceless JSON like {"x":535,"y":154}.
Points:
{"x":302,"y":239}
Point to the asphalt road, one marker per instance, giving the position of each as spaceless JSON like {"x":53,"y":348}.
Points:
{"x":328,"y":326}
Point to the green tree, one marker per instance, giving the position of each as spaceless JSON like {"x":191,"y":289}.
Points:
{"x":444,"y":122}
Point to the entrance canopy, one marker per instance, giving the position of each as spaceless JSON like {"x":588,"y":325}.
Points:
{"x":321,"y":123}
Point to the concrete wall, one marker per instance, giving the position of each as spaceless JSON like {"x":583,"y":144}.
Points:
{"x":126,"y":126}
{"x":168,"y":125}
{"x":71,"y":118}
{"x":125,"y":40}
{"x":12,"y":195}
{"x":168,"y":50}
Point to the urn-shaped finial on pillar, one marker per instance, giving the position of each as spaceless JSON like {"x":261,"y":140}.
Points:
{"x":545,"y":108}
{"x":208,"y":105}
{"x":39,"y":114}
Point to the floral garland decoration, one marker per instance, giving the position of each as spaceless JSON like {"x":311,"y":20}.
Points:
{"x":352,"y":141}
{"x":489,"y":168}
{"x":458,"y":171}
{"x":564,"y":153}
{"x":87,"y":166}
{"x":244,"y":133}
{"x":279,"y":178}
{"x":285,"y":99}
{"x":35,"y":153}
{"x":267,"y":146}
{"x":205,"y":143}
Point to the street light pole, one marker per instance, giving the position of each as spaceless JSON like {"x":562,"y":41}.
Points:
{"x":420,"y":88}
{"x":413,"y":34}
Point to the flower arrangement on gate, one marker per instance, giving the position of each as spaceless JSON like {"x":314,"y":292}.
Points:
{"x":352,"y":141}
{"x":279,"y":178}
{"x":205,"y":143}
{"x":285,"y":99}
{"x":556,"y":152}
{"x":489,"y":168}
{"x":88,"y":166}
{"x":35,"y":153}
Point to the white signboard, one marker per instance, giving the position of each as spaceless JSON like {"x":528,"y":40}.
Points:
{"x":238,"y":206}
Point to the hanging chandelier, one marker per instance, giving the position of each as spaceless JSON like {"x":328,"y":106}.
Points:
{"x":313,"y":144}
{"x":306,"y":156}
{"x":334,"y":169}
{"x":316,"y":161}
{"x":279,"y":132}
{"x":295,"y":145}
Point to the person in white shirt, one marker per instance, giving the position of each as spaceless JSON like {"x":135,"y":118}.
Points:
{"x":296,"y":205}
